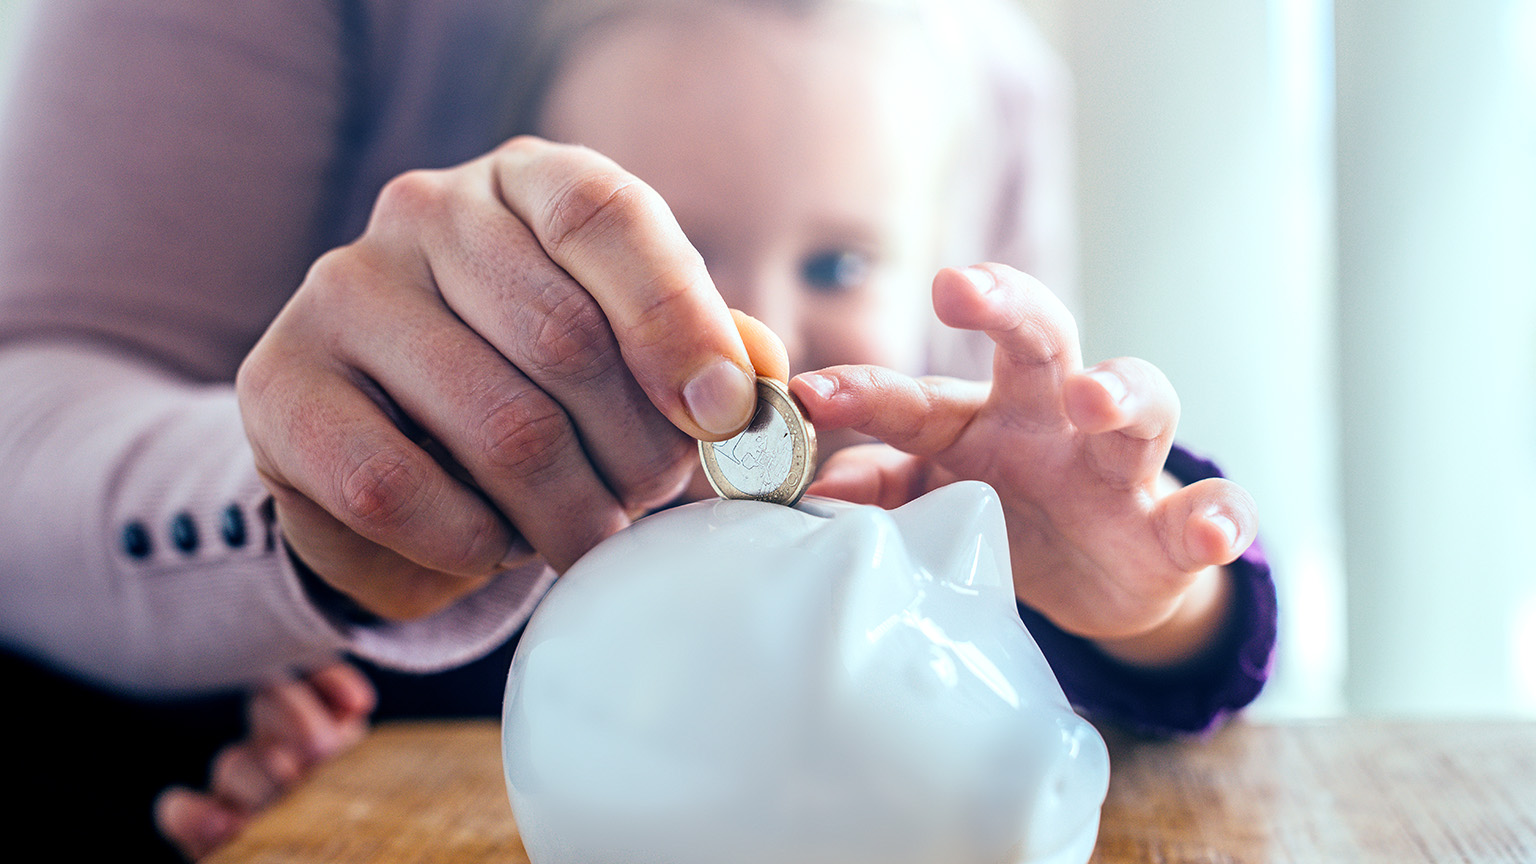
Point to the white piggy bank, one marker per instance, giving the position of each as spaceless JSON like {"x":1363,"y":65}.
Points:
{"x":735,"y":681}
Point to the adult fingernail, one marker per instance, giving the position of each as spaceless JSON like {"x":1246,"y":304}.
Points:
{"x":823,"y":385}
{"x":721,"y":397}
{"x":1225,"y":524}
{"x":1112,"y":384}
{"x":982,"y":278}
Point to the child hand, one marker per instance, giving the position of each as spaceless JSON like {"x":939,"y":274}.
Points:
{"x":1101,"y":542}
{"x":293,"y":727}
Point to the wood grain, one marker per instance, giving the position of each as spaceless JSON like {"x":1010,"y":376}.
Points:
{"x":1349,"y":791}
{"x":413,"y":792}
{"x":1352,"y":791}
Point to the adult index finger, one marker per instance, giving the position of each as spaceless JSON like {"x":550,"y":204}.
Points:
{"x":619,"y":240}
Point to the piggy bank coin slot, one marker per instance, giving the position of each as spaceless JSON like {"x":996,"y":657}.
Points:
{"x":817,"y":507}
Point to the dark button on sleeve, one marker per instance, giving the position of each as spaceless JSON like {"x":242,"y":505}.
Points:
{"x":184,"y":533}
{"x":136,"y":540}
{"x":232,"y":526}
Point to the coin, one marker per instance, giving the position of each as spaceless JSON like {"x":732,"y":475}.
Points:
{"x":773,"y":459}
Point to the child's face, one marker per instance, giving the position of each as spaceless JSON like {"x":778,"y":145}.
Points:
{"x":801,"y":155}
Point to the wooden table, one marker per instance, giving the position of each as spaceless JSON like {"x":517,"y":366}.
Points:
{"x":1348,"y":791}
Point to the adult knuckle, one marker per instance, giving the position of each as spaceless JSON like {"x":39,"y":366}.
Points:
{"x":592,"y":203}
{"x":470,"y":553}
{"x":524,"y":436}
{"x":381,"y":489}
{"x":336,"y":282}
{"x":253,"y":379}
{"x":413,"y":196}
{"x":655,"y":480}
{"x":479,"y":550}
{"x":667,"y":306}
{"x":522,"y":146}
{"x":264,"y":391}
{"x":573,"y":343}
{"x":333,"y":284}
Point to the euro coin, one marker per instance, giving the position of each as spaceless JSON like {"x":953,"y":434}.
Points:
{"x":773,"y":459}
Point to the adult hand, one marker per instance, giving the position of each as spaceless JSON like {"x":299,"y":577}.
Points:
{"x":511,"y":361}
{"x":293,"y":726}
{"x":1101,"y":542}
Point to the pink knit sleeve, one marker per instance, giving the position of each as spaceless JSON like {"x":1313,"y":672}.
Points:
{"x":164,"y":168}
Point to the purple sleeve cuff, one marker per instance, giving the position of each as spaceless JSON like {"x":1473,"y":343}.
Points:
{"x":1190,"y":700}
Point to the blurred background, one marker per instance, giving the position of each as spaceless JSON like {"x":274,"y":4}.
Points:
{"x":1319,"y":218}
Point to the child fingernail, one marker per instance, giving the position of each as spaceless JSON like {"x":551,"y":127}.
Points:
{"x":981,"y":278}
{"x":1112,"y":384}
{"x":1224,"y":523}
{"x":720,"y":397}
{"x":823,"y":385}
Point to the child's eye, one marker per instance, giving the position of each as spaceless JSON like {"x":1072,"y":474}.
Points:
{"x":834,"y":271}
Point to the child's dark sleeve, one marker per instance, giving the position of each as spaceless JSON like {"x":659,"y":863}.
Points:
{"x":1187,"y":701}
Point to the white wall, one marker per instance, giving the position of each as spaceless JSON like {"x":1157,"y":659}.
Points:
{"x":11,"y":14}
{"x":1437,"y":204}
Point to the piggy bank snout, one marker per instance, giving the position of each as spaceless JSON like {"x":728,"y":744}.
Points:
{"x":1064,"y":816}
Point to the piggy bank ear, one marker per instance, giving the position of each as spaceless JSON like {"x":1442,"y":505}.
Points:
{"x":957,"y":534}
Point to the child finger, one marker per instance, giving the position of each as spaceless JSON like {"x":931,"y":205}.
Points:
{"x":1207,"y":523}
{"x":239,"y":777}
{"x":345,"y":690}
{"x":1129,"y":411}
{"x":870,"y":474}
{"x":1036,"y":336}
{"x":292,"y":713}
{"x":921,"y":416}
{"x":282,"y":764}
{"x":195,"y":823}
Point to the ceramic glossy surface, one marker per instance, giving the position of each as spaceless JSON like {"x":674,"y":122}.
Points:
{"x":736,"y":681}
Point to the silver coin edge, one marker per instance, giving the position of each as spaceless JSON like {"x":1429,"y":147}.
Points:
{"x":802,"y":451}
